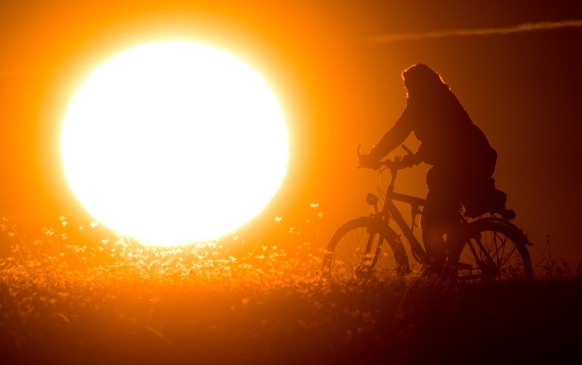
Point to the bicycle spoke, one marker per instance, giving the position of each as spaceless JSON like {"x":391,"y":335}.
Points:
{"x":495,"y":251}
{"x":358,"y":250}
{"x":502,"y":257}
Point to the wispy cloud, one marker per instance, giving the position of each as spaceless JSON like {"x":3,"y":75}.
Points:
{"x":525,"y":27}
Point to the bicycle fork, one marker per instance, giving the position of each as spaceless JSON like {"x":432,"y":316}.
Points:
{"x":369,"y":260}
{"x":379,"y":235}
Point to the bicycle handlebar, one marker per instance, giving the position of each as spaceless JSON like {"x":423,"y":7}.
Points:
{"x":397,"y":163}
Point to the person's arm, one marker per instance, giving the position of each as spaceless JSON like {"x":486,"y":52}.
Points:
{"x":392,"y":139}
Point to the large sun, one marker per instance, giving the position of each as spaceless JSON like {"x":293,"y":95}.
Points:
{"x":174,"y":142}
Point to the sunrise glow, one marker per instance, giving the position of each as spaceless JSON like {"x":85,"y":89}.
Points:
{"x":174,"y":142}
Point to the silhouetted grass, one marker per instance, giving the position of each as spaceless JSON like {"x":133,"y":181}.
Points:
{"x":114,"y":302}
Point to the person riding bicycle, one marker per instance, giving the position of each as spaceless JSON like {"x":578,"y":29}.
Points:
{"x":462,"y":159}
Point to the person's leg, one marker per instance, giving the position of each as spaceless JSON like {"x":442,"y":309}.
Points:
{"x":438,"y":218}
{"x":440,"y":214}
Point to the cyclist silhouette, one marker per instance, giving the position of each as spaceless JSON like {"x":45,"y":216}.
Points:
{"x":462,"y":159}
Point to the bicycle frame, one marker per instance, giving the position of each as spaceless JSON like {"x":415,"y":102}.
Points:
{"x":489,"y":247}
{"x":390,"y":211}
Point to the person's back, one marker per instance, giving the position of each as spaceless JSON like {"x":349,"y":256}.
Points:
{"x":439,"y":121}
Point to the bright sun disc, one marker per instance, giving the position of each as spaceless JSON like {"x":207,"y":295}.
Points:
{"x":174,"y":142}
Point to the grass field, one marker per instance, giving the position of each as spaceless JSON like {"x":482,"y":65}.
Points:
{"x":118,"y":303}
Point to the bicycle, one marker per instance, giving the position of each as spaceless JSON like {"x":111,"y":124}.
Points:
{"x":491,"y":247}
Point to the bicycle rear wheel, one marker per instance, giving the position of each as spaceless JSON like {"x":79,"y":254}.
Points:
{"x":495,"y":250}
{"x":358,"y":250}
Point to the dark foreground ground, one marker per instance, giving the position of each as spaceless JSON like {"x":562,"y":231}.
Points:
{"x":118,"y":320}
{"x":111,"y":304}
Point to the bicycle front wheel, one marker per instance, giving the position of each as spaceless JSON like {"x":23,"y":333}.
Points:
{"x":495,"y":250}
{"x":359,"y":250}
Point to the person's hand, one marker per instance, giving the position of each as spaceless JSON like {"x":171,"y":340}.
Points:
{"x":369,"y":161}
{"x":410,"y":160}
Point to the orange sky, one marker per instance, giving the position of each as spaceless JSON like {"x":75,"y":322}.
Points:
{"x":339,"y":88}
